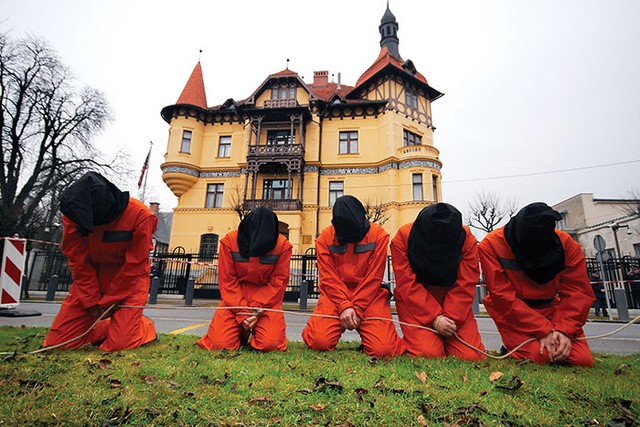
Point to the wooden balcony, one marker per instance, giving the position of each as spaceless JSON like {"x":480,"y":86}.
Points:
{"x":280,"y":103}
{"x":276,"y":205}
{"x":283,"y":150}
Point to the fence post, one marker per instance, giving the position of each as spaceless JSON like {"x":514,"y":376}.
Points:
{"x":621,"y":304}
{"x":304,"y":294}
{"x":52,"y":287}
{"x":476,"y":301}
{"x":153,"y":291}
{"x":188,"y":293}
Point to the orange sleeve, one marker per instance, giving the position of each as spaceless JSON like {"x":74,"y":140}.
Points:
{"x":503,"y":296}
{"x":135,"y":269}
{"x":272,"y":293}
{"x":85,"y":279}
{"x":410,"y":294}
{"x":228,"y":281}
{"x":331,"y":284}
{"x":576,"y":294}
{"x":369,"y":286}
{"x":460,"y":296}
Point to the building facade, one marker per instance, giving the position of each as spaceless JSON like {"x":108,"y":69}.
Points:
{"x":297,"y":146}
{"x":616,"y":220}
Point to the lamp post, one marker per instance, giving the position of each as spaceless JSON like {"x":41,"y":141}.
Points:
{"x":615,"y":227}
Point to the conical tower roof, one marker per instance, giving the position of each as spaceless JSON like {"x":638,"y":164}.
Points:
{"x":193,"y":92}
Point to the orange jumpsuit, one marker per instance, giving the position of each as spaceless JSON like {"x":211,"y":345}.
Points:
{"x":522,"y":308}
{"x":109,"y":266}
{"x":420,"y":305}
{"x":351,"y":277}
{"x":258,"y":282}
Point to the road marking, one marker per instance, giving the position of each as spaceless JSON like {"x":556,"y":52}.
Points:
{"x":188,"y":328}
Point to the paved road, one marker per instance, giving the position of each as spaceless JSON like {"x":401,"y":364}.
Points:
{"x":194,"y":321}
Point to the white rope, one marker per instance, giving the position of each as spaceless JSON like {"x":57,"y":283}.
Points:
{"x":254,"y":310}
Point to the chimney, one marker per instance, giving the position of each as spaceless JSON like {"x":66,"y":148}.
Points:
{"x":339,"y":87}
{"x":320,"y":78}
{"x":154,"y":207}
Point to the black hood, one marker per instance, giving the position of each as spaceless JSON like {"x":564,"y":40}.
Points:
{"x":93,"y":200}
{"x":533,"y":240}
{"x":258,"y":232}
{"x":349,"y":220}
{"x":435,"y":245}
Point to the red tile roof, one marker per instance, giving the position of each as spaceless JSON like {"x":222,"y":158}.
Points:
{"x":193,"y":92}
{"x":385,"y":59}
{"x":328,"y":91}
{"x":283,"y":73}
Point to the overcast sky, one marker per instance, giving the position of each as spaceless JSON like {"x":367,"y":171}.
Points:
{"x":530,"y":86}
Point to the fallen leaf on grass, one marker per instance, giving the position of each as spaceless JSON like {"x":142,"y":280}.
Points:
{"x":189,"y":394}
{"x":149,"y":379}
{"x":495,"y":376}
{"x":262,"y":400}
{"x":465,"y":379}
{"x":115,"y":383}
{"x":173,"y":384}
{"x":360,"y":392}
{"x":105,"y":364}
{"x":621,"y":369}
{"x":322,"y":384}
{"x":513,"y":383}
{"x":373,"y":360}
{"x":303,"y":391}
{"x":319,"y":407}
{"x":422,"y":376}
{"x":379,"y":386}
{"x":422,"y":421}
{"x":135,"y":364}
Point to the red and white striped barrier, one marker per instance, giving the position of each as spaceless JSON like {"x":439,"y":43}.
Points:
{"x":13,"y":258}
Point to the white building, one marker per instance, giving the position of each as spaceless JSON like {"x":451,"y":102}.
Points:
{"x":584,"y":217}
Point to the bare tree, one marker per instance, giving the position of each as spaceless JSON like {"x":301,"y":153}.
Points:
{"x":632,"y":203}
{"x":236,"y":198}
{"x":488,"y":210}
{"x":376,"y":212}
{"x":46,"y":130}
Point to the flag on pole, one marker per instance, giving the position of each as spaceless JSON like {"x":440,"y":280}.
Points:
{"x":145,"y":166}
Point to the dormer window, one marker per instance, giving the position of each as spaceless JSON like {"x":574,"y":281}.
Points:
{"x":283,"y":93}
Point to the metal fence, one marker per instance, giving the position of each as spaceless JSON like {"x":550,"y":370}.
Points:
{"x":174,"y":269}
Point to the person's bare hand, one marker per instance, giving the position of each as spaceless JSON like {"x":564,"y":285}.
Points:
{"x":95,"y":311}
{"x":249,"y":323}
{"x":349,"y":319}
{"x":563,"y":346}
{"x":550,"y":343}
{"x":445,"y":326}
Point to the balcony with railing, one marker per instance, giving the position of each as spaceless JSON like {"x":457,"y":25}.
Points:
{"x":418,"y":151}
{"x":276,"y":150}
{"x":280,"y":103}
{"x":276,"y":205}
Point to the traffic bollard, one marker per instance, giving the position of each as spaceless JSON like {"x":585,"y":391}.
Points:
{"x":52,"y":287}
{"x":621,"y":304}
{"x":304,"y":294}
{"x":153,"y":291}
{"x":188,"y":293}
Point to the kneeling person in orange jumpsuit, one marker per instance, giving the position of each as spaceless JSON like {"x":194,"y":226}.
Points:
{"x":107,"y":239}
{"x":538,"y":287}
{"x":435,"y":261}
{"x":351,"y":259}
{"x":253,"y":271}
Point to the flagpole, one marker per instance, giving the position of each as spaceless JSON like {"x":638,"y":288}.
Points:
{"x":146,"y":173}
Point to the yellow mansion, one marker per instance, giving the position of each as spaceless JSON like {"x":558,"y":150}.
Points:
{"x":296,"y":146}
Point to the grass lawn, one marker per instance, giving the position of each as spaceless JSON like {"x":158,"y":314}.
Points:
{"x":174,"y":382}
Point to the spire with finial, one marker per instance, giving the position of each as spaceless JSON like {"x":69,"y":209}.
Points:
{"x":287,"y":63}
{"x":389,"y":33}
